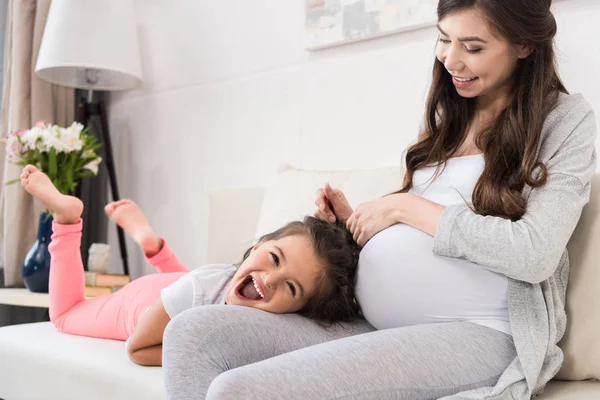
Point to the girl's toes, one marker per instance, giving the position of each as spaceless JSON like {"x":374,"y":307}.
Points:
{"x":109,"y":208}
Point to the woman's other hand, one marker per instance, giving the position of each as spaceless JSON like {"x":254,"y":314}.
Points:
{"x":332,"y":205}
{"x":372,"y":217}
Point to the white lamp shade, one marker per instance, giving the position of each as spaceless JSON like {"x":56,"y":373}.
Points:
{"x":90,"y":44}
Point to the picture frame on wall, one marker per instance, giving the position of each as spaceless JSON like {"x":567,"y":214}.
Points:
{"x":336,"y":22}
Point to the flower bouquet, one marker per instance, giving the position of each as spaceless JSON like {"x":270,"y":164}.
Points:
{"x":66,"y":155}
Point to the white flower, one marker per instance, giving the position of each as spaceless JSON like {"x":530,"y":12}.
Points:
{"x":76,"y":126}
{"x":93,"y":165}
{"x":48,"y":140}
{"x":70,"y":137}
{"x":30,"y":137}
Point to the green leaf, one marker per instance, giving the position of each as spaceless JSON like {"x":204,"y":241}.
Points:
{"x":84,"y":173}
{"x":12,"y":182}
{"x":52,"y":166}
{"x":69,"y":178}
{"x":43,"y":158}
{"x":73,"y":160}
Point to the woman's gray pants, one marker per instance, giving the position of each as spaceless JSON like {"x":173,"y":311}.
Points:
{"x":232,"y":352}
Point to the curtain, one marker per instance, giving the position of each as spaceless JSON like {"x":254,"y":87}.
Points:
{"x":25,"y":99}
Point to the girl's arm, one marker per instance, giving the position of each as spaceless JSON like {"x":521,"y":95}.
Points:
{"x":144,"y":347}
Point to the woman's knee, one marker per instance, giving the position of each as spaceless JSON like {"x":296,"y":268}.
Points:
{"x":251,"y":383}
{"x":197,"y":331}
{"x":231,"y":385}
{"x":193,"y":351}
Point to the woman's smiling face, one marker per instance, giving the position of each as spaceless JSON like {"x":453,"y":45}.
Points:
{"x":481,"y":63}
{"x":279,"y":276}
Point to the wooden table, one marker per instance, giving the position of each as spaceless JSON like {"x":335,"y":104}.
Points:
{"x":23,"y":297}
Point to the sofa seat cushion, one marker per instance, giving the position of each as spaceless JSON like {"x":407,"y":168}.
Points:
{"x":563,"y":390}
{"x":38,"y":362}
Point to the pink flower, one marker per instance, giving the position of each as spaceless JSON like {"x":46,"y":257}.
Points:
{"x":13,"y":148}
{"x":20,"y":132}
{"x":40,"y":123}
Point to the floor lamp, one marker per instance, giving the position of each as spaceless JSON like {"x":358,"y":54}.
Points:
{"x":92,"y":45}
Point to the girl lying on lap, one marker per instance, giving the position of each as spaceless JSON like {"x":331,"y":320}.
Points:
{"x":306,"y":267}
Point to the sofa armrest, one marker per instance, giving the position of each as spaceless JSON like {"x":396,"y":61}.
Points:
{"x":564,"y":390}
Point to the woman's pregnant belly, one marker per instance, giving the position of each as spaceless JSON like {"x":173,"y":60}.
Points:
{"x":402,"y":282}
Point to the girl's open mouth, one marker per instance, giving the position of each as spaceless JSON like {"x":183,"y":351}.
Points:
{"x":248,"y":290}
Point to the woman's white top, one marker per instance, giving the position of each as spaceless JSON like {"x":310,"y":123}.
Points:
{"x":401,"y":282}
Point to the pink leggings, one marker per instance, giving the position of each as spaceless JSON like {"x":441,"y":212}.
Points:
{"x":112,"y":316}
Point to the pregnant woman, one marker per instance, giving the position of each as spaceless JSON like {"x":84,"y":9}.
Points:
{"x":463,"y":271}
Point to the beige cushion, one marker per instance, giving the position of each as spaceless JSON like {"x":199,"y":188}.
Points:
{"x":557,"y":390}
{"x":232,"y":218}
{"x":581,"y":343}
{"x":292,"y":196}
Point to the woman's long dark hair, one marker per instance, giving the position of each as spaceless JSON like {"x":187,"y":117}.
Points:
{"x":510,"y":144}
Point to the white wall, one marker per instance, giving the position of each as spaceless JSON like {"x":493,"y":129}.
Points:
{"x":229,"y":94}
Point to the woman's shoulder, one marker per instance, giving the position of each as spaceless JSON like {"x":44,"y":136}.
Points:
{"x":569,"y":108}
{"x":568,"y":114}
{"x":574,"y":101}
{"x":568,"y":138}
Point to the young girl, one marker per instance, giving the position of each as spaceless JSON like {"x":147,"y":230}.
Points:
{"x":306,"y":267}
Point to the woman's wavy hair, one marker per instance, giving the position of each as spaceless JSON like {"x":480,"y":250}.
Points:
{"x":510,"y":144}
{"x":335,"y":300}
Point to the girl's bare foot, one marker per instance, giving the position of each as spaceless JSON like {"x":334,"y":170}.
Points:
{"x":128,"y":216}
{"x":65,"y":209}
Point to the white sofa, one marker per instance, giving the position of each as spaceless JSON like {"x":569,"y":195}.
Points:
{"x":36,"y":362}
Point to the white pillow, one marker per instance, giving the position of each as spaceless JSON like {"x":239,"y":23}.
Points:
{"x":293,"y":194}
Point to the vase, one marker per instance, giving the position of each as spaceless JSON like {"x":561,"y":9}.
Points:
{"x":36,"y":266}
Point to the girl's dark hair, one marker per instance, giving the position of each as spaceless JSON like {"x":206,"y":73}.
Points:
{"x":333,"y":244}
{"x":510,"y":144}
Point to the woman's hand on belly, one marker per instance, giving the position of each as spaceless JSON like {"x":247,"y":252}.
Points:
{"x":374,"y":216}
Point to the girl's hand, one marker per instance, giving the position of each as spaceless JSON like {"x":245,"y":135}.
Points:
{"x":332,"y":204}
{"x":373,"y":217}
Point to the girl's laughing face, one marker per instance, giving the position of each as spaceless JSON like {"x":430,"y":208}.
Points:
{"x":279,"y":276}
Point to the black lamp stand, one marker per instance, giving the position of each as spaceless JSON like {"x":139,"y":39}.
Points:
{"x":86,"y":110}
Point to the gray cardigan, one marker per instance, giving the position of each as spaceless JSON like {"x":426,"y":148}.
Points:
{"x":532,"y":251}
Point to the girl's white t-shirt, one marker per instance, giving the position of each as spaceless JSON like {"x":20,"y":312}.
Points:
{"x":203,"y":285}
{"x":401,"y":282}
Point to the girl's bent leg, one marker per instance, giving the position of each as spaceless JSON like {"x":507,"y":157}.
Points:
{"x":410,"y":363}
{"x":67,"y":277}
{"x":112,"y":316}
{"x":165,"y":261}
{"x":203,"y":342}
